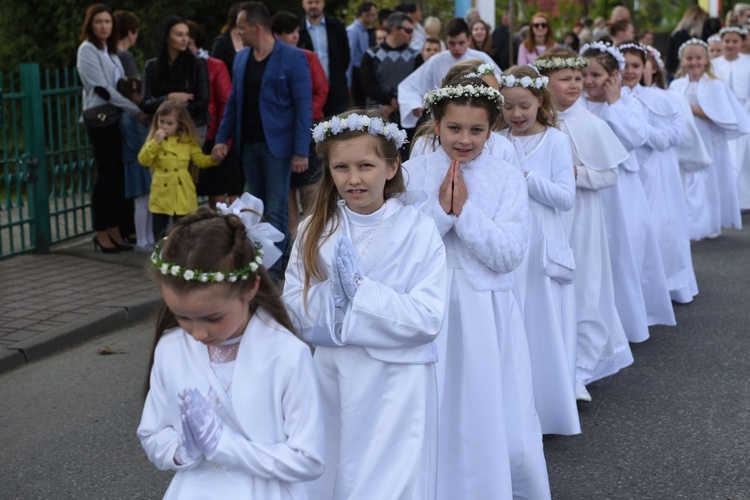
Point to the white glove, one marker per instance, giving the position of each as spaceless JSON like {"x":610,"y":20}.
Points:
{"x":350,"y":270}
{"x":188,"y":450}
{"x":339,"y":296}
{"x":203,"y":421}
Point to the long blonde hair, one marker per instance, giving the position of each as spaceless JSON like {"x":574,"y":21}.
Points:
{"x":546,"y":114}
{"x":322,"y":210}
{"x":185,"y":128}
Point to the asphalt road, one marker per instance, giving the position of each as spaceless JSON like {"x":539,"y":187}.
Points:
{"x":672,"y":426}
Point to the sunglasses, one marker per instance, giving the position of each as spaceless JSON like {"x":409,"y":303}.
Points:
{"x":539,"y":25}
{"x":407,"y":30}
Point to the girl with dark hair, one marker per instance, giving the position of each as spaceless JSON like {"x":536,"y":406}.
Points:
{"x":100,"y":68}
{"x":176,"y":74}
{"x":229,"y":42}
{"x":480,"y":205}
{"x":661,"y":122}
{"x":366,"y":280}
{"x":232,"y":399}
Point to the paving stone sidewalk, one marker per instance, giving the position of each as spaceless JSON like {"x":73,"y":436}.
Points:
{"x":51,"y":301}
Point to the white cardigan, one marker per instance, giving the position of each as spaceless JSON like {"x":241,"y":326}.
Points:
{"x":96,"y":68}
{"x":493,"y":228}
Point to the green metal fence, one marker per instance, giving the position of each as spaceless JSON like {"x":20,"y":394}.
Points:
{"x":45,"y":160}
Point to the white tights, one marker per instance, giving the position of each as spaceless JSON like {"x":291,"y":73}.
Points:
{"x":143,"y":227}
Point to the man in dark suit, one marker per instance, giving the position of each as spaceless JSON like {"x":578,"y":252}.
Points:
{"x":268,"y":116}
{"x":326,"y":36}
{"x":500,"y":42}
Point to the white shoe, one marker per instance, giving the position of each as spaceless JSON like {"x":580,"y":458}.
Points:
{"x":581,"y":393}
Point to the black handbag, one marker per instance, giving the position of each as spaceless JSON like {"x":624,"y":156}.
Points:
{"x":101,"y":116}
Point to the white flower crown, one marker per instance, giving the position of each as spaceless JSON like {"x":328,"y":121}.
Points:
{"x":483,"y":69}
{"x":714,"y":38}
{"x":525,"y":82}
{"x":732,"y":29}
{"x":555,"y":63}
{"x":692,"y":41}
{"x":359,"y":123}
{"x":249,"y":209}
{"x":631,"y":45}
{"x":608,"y":48}
{"x":656,"y":55}
{"x":454,"y":92}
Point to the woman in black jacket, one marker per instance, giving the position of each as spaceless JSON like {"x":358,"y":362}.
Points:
{"x":176,"y":74}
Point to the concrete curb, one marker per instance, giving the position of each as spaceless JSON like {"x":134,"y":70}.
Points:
{"x":109,"y":318}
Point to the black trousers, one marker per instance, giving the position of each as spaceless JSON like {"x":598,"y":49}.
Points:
{"x":109,"y":208}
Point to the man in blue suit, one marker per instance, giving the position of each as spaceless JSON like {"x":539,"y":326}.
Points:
{"x":268,"y":116}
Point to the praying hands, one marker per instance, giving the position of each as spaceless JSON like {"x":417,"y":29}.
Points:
{"x":453,"y":190}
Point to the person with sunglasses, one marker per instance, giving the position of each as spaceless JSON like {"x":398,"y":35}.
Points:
{"x":381,"y":70}
{"x":538,"y":40}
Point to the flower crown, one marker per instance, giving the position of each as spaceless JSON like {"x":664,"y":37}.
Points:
{"x":656,"y":55}
{"x":525,"y":82}
{"x":631,"y":45}
{"x":608,"y":48}
{"x":483,"y":69}
{"x":692,"y":41}
{"x":555,"y":63}
{"x":262,"y":234}
{"x":456,"y":91}
{"x":714,"y":38}
{"x":732,"y":29}
{"x":359,"y":123}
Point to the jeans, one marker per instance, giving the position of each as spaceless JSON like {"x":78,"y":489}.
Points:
{"x":267,"y":178}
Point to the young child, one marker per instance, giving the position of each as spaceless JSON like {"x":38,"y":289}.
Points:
{"x":544,"y":279}
{"x":714,"y":46}
{"x":425,"y":140}
{"x":662,"y":123}
{"x":367,"y":282}
{"x":171,"y":146}
{"x":490,"y":442}
{"x":602,"y":346}
{"x":719,"y":115}
{"x":137,"y":178}
{"x":430,"y":48}
{"x":232,"y":399}
{"x":733,"y":68}
{"x":646,"y":301}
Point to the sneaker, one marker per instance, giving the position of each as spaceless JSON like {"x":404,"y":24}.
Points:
{"x":581,"y":393}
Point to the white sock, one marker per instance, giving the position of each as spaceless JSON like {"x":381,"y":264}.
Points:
{"x":143,"y":229}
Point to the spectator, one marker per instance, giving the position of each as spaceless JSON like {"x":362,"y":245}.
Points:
{"x":620,"y":31}
{"x":429,"y":76}
{"x":432,"y":28}
{"x":359,"y":42}
{"x":380,"y":34}
{"x":538,"y":39}
{"x":100,"y":68}
{"x":415,"y":12}
{"x":268,"y":116}
{"x":176,"y":74}
{"x":285,"y":28}
{"x":225,"y":178}
{"x":127,"y":34}
{"x":326,"y":36}
{"x":385,"y":66}
{"x":571,"y":41}
{"x":691,"y":25}
{"x":620,"y":13}
{"x":739,"y":15}
{"x":587,"y":34}
{"x":229,"y":42}
{"x":501,"y":42}
{"x":711,"y":26}
{"x":480,"y":37}
{"x":600,"y":27}
{"x":383,"y":17}
{"x":472,"y":16}
{"x":646,"y":38}
{"x":430,"y":48}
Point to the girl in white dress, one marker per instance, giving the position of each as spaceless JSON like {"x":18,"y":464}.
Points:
{"x":490,"y":440}
{"x":719,"y":115}
{"x":733,"y":68}
{"x":544,"y":279}
{"x":367,"y":283}
{"x":232,"y":398}
{"x":425,"y":141}
{"x":602,"y":346}
{"x":629,"y":228}
{"x":662,"y":123}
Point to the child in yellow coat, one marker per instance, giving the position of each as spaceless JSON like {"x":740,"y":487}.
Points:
{"x":170,"y":147}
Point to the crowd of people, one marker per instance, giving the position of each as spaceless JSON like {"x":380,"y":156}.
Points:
{"x":466,"y":237}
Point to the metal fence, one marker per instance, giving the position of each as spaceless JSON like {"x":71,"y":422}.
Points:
{"x":45,"y":160}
